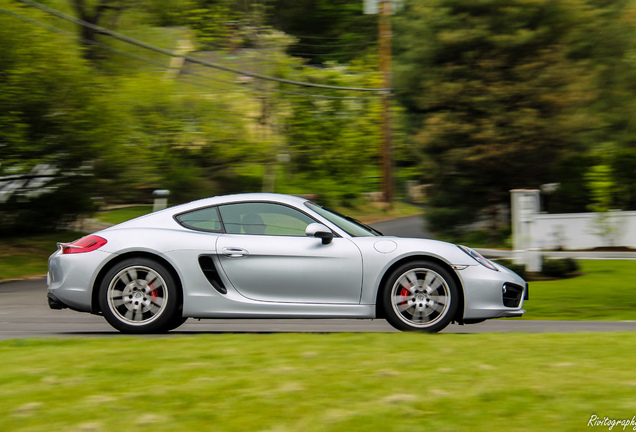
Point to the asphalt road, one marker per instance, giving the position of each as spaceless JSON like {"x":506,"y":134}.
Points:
{"x":24,"y":313}
{"x":410,"y":226}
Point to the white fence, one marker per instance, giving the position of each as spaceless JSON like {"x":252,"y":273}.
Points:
{"x":533,"y":232}
{"x":583,"y":230}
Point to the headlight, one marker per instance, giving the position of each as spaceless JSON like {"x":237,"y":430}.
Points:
{"x":478,"y":257}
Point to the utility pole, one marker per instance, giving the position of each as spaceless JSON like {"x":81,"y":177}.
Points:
{"x":384,"y":29}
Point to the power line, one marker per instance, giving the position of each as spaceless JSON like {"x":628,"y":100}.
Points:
{"x":323,"y":37}
{"x":336,"y":45}
{"x":108,"y":48}
{"x":339,"y":54}
{"x":181,"y":71}
{"x":189,"y":58}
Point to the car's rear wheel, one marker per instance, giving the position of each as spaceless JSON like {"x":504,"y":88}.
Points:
{"x":139,"y":295}
{"x":420,"y":296}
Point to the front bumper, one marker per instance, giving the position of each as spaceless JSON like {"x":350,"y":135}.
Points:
{"x":492,"y":294}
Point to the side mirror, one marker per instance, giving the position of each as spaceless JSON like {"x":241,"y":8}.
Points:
{"x":319,"y":231}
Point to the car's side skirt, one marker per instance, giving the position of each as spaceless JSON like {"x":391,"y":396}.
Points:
{"x":212,"y":307}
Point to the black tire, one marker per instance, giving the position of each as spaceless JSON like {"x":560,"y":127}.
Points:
{"x":139,"y":295}
{"x":420,"y":296}
{"x":177,"y":321}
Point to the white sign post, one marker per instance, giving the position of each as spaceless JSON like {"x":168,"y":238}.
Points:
{"x":525,"y":204}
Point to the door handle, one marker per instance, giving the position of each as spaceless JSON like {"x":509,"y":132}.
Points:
{"x":234,"y":252}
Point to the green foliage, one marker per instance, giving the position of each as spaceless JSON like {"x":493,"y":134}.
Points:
{"x":173,"y":139}
{"x":113,"y":128}
{"x":573,"y":194}
{"x":499,"y":92}
{"x":623,"y":166}
{"x":601,"y":184}
{"x":553,"y":268}
{"x":53,"y":122}
{"x":167,"y":13}
{"x":559,"y":267}
{"x":332,"y":143}
{"x":211,"y":20}
{"x":327,"y":30}
{"x":600,"y":181}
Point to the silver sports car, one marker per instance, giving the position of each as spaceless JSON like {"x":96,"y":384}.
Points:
{"x":273,"y":256}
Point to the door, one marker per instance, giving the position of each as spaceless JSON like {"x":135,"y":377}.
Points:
{"x":267,"y":256}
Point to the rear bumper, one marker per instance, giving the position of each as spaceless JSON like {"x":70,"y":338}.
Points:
{"x":71,"y":277}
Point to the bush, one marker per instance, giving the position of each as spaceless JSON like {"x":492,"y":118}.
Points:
{"x":559,"y":267}
{"x":573,"y":265}
{"x":52,"y":206}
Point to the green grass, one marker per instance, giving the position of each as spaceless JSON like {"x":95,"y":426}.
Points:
{"x":123,"y":214}
{"x":605,"y":291}
{"x":27,"y":256}
{"x":328,"y":382}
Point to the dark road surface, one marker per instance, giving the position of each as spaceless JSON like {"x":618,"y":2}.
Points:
{"x":410,"y":226}
{"x":24,"y":313}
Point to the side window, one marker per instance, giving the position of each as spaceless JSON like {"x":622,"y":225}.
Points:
{"x":206,"y":219}
{"x":264,"y":219}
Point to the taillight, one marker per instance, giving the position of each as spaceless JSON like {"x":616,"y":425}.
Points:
{"x":85,"y":244}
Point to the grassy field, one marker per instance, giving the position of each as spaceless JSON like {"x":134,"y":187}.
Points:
{"x":123,"y":214}
{"x":328,"y":382}
{"x":604,"y":291}
{"x":25,"y":256}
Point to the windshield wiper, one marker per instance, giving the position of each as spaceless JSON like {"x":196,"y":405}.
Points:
{"x":356,"y":221}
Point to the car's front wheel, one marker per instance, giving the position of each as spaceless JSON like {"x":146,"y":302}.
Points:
{"x":420,"y":296}
{"x":139,"y":295}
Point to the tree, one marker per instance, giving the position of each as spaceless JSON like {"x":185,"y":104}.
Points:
{"x":174,"y":136}
{"x":53,"y":124}
{"x":327,"y":30}
{"x":333,"y":143}
{"x":623,"y":164}
{"x":494,"y":95}
{"x":96,"y":14}
{"x":212,"y":20}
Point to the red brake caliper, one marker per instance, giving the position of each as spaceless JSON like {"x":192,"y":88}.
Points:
{"x":153,"y":293}
{"x":404,"y":292}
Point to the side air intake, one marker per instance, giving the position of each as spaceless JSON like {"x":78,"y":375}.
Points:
{"x":211,"y":274}
{"x":512,"y":294}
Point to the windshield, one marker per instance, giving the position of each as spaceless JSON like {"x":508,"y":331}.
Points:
{"x":351,"y":226}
